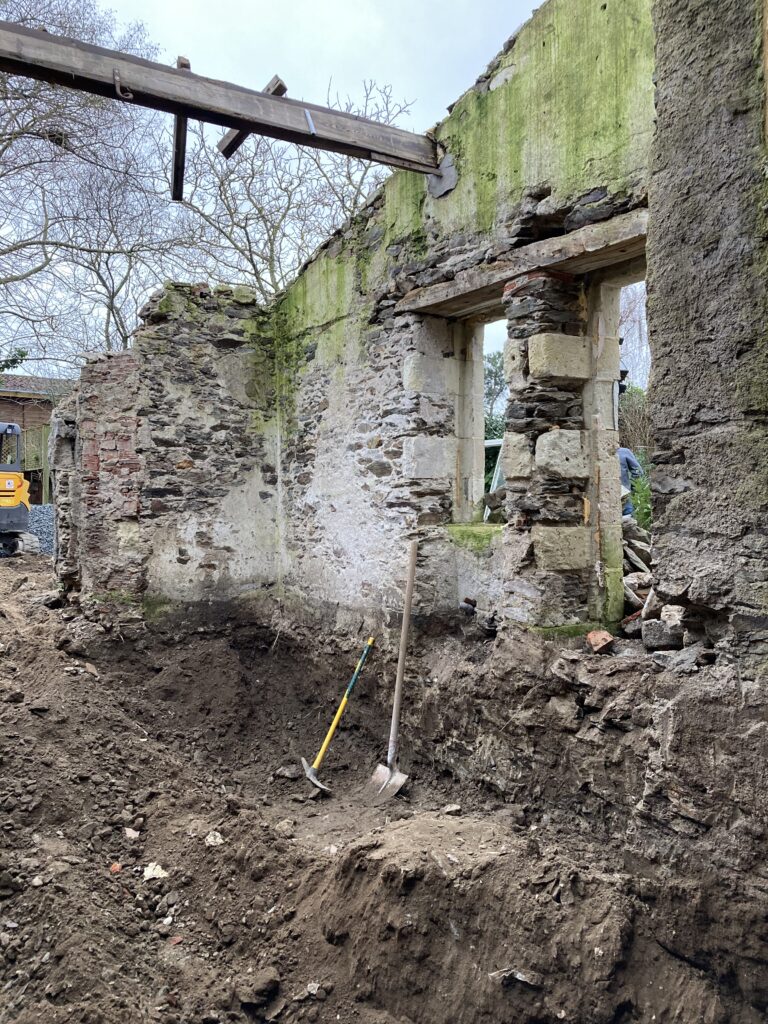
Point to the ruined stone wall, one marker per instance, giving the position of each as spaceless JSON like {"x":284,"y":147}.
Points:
{"x":411,"y":407}
{"x":301,"y":449}
{"x":707,"y":314}
{"x":164,"y":460}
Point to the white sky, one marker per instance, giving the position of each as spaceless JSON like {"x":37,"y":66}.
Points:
{"x":429,"y":51}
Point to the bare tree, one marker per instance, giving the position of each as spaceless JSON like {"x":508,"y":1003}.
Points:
{"x":258,"y":216}
{"x":79,"y":210}
{"x":633,"y":328}
{"x":87,"y":228}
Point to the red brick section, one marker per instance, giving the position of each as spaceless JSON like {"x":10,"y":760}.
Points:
{"x":112,"y":474}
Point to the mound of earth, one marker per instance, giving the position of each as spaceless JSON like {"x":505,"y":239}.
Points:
{"x":163,"y":859}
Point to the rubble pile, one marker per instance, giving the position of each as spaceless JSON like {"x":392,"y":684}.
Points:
{"x":638,"y":580}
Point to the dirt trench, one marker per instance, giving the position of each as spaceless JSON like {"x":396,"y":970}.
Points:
{"x":498,"y":888}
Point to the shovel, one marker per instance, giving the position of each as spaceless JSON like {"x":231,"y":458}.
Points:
{"x":387,"y":779}
{"x":311,"y":770}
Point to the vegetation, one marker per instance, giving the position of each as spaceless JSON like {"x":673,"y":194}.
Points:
{"x":12,"y":359}
{"x":635,"y":429}
{"x":635,"y":433}
{"x":495,"y":397}
{"x":88,"y":227}
{"x":641,"y":499}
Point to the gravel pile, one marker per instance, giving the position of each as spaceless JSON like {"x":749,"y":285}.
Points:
{"x":41,"y":524}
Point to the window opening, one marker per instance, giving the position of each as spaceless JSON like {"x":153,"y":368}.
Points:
{"x":635,"y":432}
{"x":495,"y":395}
{"x":9,"y":445}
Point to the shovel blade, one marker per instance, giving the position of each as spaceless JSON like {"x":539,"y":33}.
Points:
{"x":384,"y":784}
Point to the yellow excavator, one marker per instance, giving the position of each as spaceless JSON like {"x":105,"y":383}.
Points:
{"x":14,"y":496}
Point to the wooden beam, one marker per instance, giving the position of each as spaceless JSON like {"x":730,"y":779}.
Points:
{"x":97,"y":70}
{"x":179,"y":146}
{"x":478,"y":290}
{"x":233,"y":140}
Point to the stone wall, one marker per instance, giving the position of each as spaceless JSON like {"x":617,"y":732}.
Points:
{"x":290,"y":453}
{"x":707,"y":315}
{"x":165,"y":462}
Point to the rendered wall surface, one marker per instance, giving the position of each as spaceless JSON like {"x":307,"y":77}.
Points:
{"x":707,"y":315}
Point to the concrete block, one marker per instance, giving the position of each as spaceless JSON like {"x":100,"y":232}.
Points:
{"x":560,"y":453}
{"x":516,"y":457}
{"x":561,"y":548}
{"x":559,"y":357}
{"x":429,"y":458}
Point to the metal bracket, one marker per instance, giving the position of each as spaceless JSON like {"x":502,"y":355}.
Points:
{"x":445,"y":179}
{"x":122,"y":94}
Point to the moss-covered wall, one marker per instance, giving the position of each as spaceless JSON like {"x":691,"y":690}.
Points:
{"x":554,"y":134}
{"x":348,"y":427}
{"x":562,"y":119}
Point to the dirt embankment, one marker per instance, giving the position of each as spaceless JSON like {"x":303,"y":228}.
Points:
{"x":604,"y":865}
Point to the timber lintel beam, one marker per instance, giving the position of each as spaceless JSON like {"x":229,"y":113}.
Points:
{"x":104,"y":72}
{"x":478,"y":290}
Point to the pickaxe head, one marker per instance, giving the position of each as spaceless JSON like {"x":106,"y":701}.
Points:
{"x":311,"y":774}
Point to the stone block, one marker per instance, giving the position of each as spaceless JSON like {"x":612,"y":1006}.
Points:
{"x":659,"y":636}
{"x":560,"y":453}
{"x":429,"y":458}
{"x":514,"y":361}
{"x":561,"y":548}
{"x":613,"y":600}
{"x":609,"y":493}
{"x":432,"y":376}
{"x":612,"y":546}
{"x":559,"y":357}
{"x":607,"y":359}
{"x":601,"y":400}
{"x":652,"y":607}
{"x":516,"y":457}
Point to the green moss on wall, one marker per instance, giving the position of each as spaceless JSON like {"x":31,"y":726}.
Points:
{"x":573,"y":110}
{"x":613,"y":603}
{"x":476,"y":537}
{"x":404,"y":195}
{"x":569,"y":631}
{"x":569,"y":107}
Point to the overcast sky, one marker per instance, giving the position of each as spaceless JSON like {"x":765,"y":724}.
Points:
{"x":430,"y":51}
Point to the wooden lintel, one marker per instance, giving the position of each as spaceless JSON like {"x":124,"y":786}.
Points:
{"x":233,"y":140}
{"x":96,"y":70}
{"x":478,"y":290}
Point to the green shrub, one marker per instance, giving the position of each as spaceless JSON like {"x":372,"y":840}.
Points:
{"x":641,"y":499}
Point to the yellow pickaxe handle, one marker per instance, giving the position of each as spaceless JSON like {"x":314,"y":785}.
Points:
{"x":337,"y":718}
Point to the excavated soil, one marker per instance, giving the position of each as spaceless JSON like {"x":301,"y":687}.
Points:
{"x":177,"y":746}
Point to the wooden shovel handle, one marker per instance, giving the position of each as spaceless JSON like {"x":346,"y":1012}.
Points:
{"x":395,"y":727}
